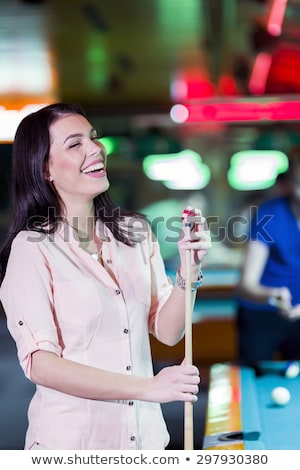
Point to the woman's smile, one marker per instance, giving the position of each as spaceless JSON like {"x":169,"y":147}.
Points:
{"x":95,"y":169}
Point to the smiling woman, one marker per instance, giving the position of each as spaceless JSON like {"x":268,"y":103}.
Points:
{"x":90,"y":290}
{"x":77,"y":166}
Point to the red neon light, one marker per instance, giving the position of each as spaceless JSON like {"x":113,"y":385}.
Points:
{"x":191,"y":84}
{"x":275,"y":20}
{"x":283,"y":73}
{"x":243,"y":111}
{"x":227,"y":86}
{"x":260,"y":72}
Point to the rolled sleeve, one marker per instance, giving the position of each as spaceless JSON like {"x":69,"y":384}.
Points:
{"x":28,"y":342}
{"x":26,"y":296}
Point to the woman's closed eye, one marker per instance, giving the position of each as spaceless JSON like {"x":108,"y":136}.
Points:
{"x":75,"y":144}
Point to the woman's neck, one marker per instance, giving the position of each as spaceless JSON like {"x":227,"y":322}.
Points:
{"x":82,"y":219}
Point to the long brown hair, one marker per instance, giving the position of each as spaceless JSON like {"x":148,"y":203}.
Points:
{"x":36,"y":204}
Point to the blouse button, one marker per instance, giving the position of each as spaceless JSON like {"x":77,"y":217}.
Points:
{"x":132,"y":438}
{"x":128,"y":368}
{"x":125,"y":331}
{"x":117,"y":292}
{"x":20,"y":323}
{"x":130,"y":403}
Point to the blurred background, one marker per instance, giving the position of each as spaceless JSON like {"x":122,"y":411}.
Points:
{"x":197,"y":102}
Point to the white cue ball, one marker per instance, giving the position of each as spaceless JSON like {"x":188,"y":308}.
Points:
{"x":292,"y":370}
{"x":280,"y":396}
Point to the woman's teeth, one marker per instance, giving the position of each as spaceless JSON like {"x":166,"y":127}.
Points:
{"x":96,"y":167}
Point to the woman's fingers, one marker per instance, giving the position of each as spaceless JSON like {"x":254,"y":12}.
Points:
{"x":199,"y":241}
{"x":177,"y":383}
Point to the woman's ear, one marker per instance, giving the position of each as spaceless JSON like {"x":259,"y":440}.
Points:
{"x":47,"y":176}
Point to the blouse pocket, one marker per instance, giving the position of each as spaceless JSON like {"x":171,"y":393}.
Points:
{"x":77,"y":302}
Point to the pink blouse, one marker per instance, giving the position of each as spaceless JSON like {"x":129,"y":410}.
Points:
{"x":59,"y":298}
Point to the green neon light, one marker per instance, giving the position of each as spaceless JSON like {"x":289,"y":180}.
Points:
{"x":110,"y":143}
{"x":256,"y":169}
{"x":182,"y":170}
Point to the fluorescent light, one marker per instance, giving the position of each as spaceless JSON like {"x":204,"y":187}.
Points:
{"x":26,"y":69}
{"x":182,"y":170}
{"x":11,"y":118}
{"x":256,"y":169}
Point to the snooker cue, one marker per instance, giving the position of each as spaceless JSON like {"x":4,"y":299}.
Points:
{"x":188,"y":406}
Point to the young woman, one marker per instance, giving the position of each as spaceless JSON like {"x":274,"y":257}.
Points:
{"x":83,"y":285}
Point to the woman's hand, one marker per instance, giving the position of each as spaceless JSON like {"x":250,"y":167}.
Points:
{"x":174,"y":383}
{"x":195,"y":237}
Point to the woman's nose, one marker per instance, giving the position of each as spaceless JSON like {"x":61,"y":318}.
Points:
{"x":94,"y":148}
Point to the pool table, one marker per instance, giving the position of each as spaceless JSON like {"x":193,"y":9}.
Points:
{"x":241,"y":414}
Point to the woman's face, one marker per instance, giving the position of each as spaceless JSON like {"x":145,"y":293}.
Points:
{"x":77,"y":160}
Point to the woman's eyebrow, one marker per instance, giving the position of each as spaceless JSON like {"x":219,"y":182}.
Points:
{"x":73,"y":135}
{"x":79,"y":134}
